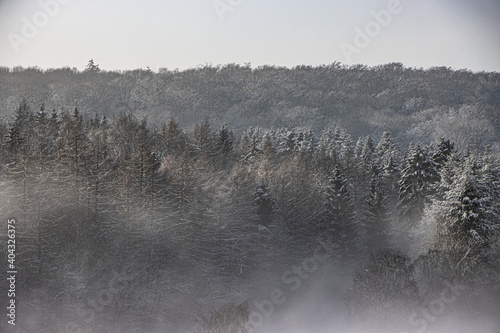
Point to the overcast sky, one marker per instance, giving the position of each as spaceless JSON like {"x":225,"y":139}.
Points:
{"x":128,"y":34}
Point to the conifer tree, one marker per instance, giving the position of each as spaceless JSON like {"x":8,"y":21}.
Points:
{"x":385,"y":150}
{"x":173,"y":139}
{"x":19,"y":137}
{"x":444,"y":151}
{"x":325,"y":155}
{"x":92,"y":67}
{"x":264,"y":202}
{"x":201,"y":138}
{"x":268,"y":146}
{"x":415,"y":185}
{"x":224,"y":141}
{"x":339,"y":213}
{"x":377,"y":217}
{"x":468,"y":214}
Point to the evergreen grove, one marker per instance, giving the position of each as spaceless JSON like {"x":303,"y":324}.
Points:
{"x":188,"y":216}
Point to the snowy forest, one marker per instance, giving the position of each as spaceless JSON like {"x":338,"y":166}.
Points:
{"x":231,"y":199}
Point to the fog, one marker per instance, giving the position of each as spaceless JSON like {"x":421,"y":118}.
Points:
{"x":129,"y":225}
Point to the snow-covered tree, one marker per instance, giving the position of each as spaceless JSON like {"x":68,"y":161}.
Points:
{"x":385,"y":150}
{"x":415,"y":185}
{"x":268,"y":146}
{"x":201,"y":138}
{"x":325,"y":155}
{"x":224,"y":142}
{"x":339,"y":214}
{"x":92,"y":67}
{"x":443,"y":152}
{"x":173,"y":139}
{"x":468,"y":214}
{"x":264,"y":202}
{"x":377,"y":218}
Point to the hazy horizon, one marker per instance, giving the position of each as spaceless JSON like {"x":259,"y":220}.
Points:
{"x":186,"y":34}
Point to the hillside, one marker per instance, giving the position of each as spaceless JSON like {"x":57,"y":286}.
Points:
{"x":413,"y":104}
{"x":251,"y":200}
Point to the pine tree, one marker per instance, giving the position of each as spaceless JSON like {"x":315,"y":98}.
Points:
{"x":142,"y":159}
{"x":20,"y":146}
{"x":445,"y":149}
{"x":325,"y":155}
{"x":377,"y":217}
{"x":368,"y":149}
{"x":224,"y":142}
{"x":19,"y":137}
{"x":385,"y":150}
{"x":468,"y":215}
{"x":345,"y":151}
{"x":339,"y":213}
{"x":287,"y":142}
{"x":366,"y":166}
{"x":201,"y":139}
{"x":391,"y":174}
{"x":268,"y":146}
{"x":249,"y":144}
{"x":298,"y":204}
{"x":92,"y":67}
{"x":173,"y":139}
{"x":42,"y":138}
{"x":358,"y":148}
{"x":305,"y":142}
{"x":71,"y":157}
{"x":415,"y":185}
{"x":264,"y":202}
{"x":99,"y":166}
{"x":72,"y":140}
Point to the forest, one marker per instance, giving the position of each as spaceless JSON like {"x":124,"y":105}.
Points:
{"x":414,"y":104}
{"x":232,"y":199}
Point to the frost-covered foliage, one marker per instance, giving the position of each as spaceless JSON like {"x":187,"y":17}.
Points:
{"x":228,"y":318}
{"x":414,"y":104}
{"x":468,"y":212}
{"x":138,"y":227}
{"x":385,"y":291}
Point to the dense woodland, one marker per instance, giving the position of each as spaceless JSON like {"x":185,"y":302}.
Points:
{"x":130,"y":225}
{"x":414,"y":104}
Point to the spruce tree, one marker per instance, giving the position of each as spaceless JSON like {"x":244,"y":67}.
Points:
{"x":339,"y":213}
{"x":92,"y":67}
{"x":415,"y":185}
{"x":268,"y":146}
{"x":468,"y":214}
{"x":224,"y":143}
{"x":325,"y":155}
{"x":201,"y":139}
{"x":173,"y":139}
{"x":377,"y":217}
{"x":385,"y":150}
{"x":445,"y":149}
{"x":264,"y":202}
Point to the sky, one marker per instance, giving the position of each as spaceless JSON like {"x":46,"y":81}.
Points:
{"x":127,"y":34}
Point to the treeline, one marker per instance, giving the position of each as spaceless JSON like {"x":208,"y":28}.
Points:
{"x":186,"y":218}
{"x":414,"y":104}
